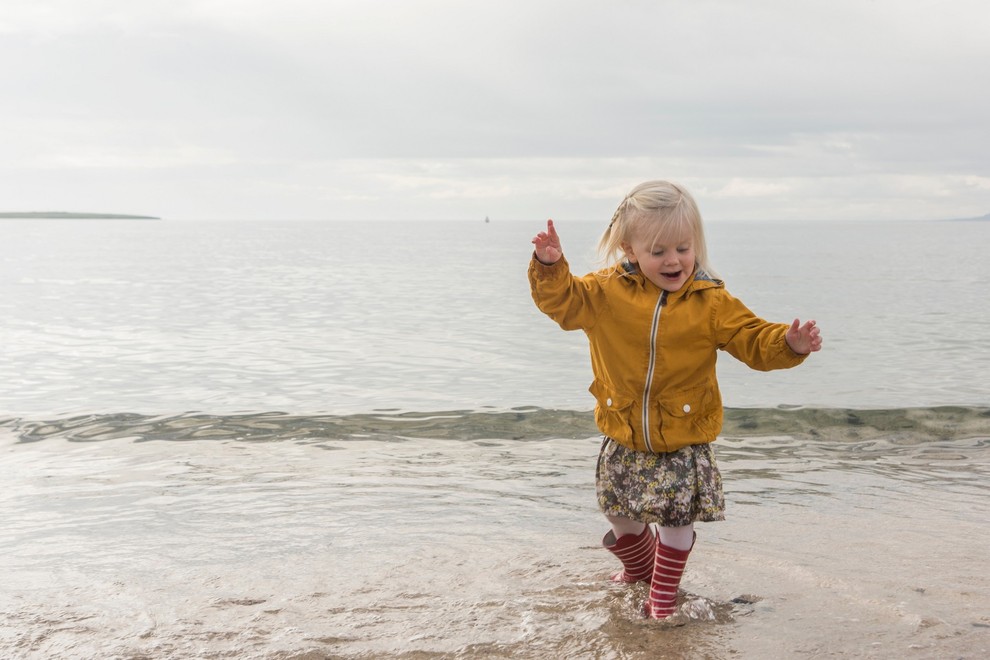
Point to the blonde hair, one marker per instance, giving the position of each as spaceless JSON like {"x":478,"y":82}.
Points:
{"x":657,"y":211}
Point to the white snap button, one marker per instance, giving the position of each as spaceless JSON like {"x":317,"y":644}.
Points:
{"x":687,"y":407}
{"x":608,"y":402}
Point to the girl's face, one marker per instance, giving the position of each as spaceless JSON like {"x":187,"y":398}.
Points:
{"x":668,"y":264}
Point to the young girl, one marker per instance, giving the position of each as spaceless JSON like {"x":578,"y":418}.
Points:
{"x":654,"y":320}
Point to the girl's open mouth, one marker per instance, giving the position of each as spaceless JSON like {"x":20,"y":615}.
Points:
{"x":672,"y":276}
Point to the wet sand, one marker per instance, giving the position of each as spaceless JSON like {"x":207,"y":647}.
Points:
{"x":427,"y":548}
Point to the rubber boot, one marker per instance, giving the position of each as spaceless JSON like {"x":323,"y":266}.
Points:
{"x":668,"y":568}
{"x":636,"y":553}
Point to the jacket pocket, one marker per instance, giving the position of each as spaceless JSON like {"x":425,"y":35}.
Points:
{"x":613,"y":412}
{"x":692,"y":415}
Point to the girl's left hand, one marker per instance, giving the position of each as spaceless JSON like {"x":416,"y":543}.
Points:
{"x":804,"y":339}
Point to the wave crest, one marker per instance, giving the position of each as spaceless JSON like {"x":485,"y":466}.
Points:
{"x":900,"y":425}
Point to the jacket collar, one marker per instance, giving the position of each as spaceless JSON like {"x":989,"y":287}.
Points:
{"x":699,"y":281}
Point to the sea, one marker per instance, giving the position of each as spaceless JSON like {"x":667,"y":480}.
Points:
{"x":303,"y":440}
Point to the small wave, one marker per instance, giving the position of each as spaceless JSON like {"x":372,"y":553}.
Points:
{"x":901,"y":426}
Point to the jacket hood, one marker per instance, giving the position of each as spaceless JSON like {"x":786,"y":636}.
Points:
{"x":699,"y":280}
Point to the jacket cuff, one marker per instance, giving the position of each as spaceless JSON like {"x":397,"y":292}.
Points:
{"x":542,"y":271}
{"x":787,"y":353}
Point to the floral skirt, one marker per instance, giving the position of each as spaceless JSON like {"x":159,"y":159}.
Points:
{"x":672,"y":489}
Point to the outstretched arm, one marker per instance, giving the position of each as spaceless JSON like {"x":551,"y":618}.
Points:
{"x":547,"y":244}
{"x":804,"y":339}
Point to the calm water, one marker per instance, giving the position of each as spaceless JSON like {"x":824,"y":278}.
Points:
{"x":165,"y":317}
{"x":305,"y":440}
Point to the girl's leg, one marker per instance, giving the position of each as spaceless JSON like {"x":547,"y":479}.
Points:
{"x":622,"y":526}
{"x":678,"y":538}
{"x":672,"y":552}
{"x":633,"y":544}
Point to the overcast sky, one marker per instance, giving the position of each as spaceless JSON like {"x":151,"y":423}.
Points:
{"x":436,"y":109}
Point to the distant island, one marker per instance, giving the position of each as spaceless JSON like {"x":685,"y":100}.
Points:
{"x":61,"y":215}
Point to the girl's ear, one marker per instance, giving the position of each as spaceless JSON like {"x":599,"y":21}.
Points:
{"x":630,"y":255}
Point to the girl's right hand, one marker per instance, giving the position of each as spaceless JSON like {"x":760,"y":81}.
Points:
{"x":548,"y":245}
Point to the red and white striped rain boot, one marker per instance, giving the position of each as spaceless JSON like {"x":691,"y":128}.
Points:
{"x":668,"y":568}
{"x":635,"y":551}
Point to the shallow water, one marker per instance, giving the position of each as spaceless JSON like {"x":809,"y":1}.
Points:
{"x":426,"y":547}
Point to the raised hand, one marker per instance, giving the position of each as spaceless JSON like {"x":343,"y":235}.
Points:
{"x":804,"y":339}
{"x":547,"y":244}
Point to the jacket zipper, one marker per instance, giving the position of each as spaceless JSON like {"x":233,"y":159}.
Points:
{"x":654,"y":338}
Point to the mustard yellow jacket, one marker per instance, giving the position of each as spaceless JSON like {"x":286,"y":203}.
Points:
{"x":653,"y":353}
